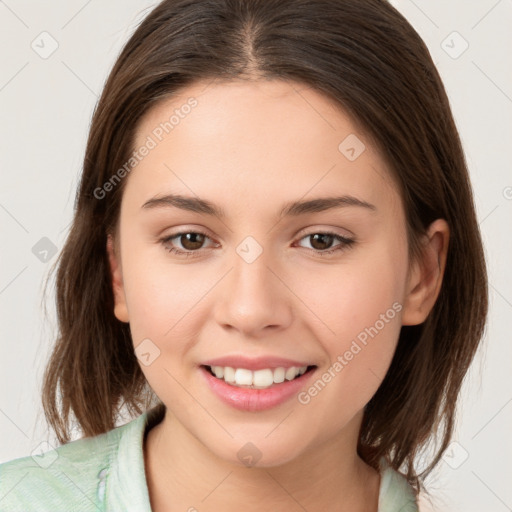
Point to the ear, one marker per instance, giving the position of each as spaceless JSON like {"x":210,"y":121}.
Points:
{"x":426,"y":274}
{"x":120,"y":307}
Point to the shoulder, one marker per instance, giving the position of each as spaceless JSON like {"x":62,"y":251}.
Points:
{"x":64,"y":478}
{"x":396,"y":494}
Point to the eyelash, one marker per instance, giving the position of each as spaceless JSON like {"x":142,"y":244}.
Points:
{"x":346,"y":243}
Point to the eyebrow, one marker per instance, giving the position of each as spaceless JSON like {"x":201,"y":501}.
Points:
{"x":292,"y":208}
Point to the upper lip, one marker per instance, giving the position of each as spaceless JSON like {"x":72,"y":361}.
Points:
{"x":255,"y":363}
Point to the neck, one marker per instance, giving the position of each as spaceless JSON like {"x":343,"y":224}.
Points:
{"x":183,"y":474}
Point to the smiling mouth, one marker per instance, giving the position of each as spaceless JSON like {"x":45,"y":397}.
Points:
{"x":259,"y":379}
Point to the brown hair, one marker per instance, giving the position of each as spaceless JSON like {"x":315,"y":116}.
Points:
{"x":366,"y":57}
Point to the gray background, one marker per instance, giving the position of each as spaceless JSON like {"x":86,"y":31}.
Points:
{"x":46,"y":103}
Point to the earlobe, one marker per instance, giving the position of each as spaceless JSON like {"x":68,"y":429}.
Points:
{"x":426,"y":276}
{"x":120,"y":307}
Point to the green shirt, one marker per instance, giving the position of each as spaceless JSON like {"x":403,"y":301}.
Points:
{"x":106,"y":473}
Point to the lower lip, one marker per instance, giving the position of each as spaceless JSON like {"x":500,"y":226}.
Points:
{"x":247,"y":399}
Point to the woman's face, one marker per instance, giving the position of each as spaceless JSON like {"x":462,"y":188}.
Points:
{"x":262,"y":169}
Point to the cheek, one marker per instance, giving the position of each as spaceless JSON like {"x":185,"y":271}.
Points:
{"x":351,"y":308}
{"x":159,"y":293}
{"x":352,"y":295}
{"x":163,"y":304}
{"x":359,"y":305}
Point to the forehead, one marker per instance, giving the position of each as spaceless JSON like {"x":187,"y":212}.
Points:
{"x":261,"y":107}
{"x":272,"y":138}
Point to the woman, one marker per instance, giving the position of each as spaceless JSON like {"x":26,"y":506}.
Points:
{"x":274,"y":245}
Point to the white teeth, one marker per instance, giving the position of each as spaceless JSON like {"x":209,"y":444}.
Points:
{"x":291,"y":373}
{"x":259,"y":379}
{"x":279,"y":375}
{"x":219,"y":371}
{"x":263,"y":378}
{"x":229,"y":374}
{"x":243,"y":377}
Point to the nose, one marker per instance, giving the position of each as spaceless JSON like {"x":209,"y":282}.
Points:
{"x":253,"y":298}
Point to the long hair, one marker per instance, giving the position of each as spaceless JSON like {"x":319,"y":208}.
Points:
{"x":368,"y":59}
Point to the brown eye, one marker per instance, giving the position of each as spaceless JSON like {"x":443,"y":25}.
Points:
{"x":185,"y":243}
{"x":321,"y":241}
{"x":191,"y":241}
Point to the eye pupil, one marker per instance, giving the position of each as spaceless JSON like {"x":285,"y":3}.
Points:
{"x":320,"y":237}
{"x":191,"y":241}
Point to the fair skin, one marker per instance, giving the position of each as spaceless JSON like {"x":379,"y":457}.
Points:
{"x":251,"y":147}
